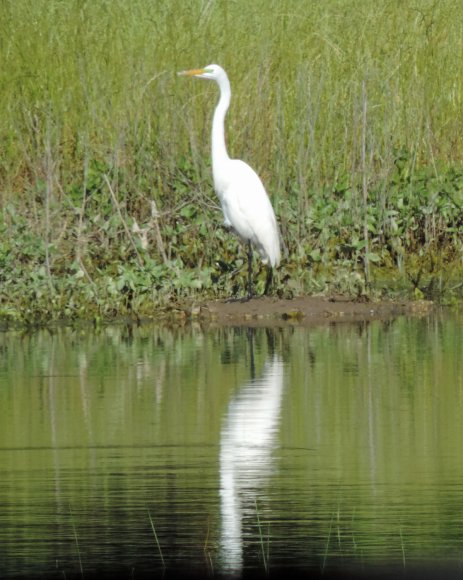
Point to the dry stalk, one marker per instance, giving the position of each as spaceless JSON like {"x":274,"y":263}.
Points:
{"x":365,"y":183}
{"x":124,"y":223}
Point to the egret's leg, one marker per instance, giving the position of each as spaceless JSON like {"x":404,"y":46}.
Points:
{"x":249,"y":270}
{"x":269,"y":279}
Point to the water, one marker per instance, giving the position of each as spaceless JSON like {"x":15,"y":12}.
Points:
{"x":146,"y":450}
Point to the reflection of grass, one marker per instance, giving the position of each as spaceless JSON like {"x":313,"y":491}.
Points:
{"x":156,"y":540}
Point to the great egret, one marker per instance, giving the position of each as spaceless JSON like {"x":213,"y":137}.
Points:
{"x":245,"y":204}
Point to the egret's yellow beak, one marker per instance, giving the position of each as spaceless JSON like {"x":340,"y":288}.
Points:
{"x":192,"y":73}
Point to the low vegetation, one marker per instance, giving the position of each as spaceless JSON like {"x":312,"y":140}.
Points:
{"x":350,"y":111}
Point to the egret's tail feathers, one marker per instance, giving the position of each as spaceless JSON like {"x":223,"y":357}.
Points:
{"x":270,"y":254}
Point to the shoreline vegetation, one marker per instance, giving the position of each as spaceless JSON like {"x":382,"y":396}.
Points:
{"x":350,"y":112}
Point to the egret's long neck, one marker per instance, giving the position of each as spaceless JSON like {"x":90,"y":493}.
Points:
{"x":219,"y":149}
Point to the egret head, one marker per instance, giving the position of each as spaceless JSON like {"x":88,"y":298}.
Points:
{"x":212,"y":72}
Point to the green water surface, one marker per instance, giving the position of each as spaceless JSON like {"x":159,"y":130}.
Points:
{"x":144,"y":449}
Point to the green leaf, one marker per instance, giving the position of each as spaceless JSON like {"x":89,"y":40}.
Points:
{"x":372,"y":257}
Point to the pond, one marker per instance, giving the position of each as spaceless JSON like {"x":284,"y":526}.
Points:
{"x":148,"y":450}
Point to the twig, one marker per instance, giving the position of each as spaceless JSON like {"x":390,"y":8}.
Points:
{"x":85,"y":271}
{"x":49,"y":169}
{"x":126,"y":228}
{"x":81,"y":213}
{"x":364,"y":184}
{"x":157,"y":231}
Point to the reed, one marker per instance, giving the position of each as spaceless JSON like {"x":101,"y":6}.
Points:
{"x":98,"y":79}
{"x":264,"y":550}
{"x":74,"y":530}
{"x":156,"y":540}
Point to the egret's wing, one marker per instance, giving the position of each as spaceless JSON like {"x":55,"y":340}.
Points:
{"x":247,"y":207}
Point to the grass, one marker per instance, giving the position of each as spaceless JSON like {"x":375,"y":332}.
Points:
{"x":350,"y":112}
{"x":402,"y":547}
{"x":157,"y":541}
{"x":264,"y":550}
{"x":327,"y":545}
{"x":77,"y":542}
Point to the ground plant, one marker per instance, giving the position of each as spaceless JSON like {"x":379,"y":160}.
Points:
{"x":350,"y":111}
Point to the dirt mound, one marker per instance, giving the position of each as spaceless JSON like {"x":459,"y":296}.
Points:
{"x":301,"y":310}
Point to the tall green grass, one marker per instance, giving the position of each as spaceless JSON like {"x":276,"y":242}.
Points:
{"x":98,"y":78}
{"x":339,"y":102}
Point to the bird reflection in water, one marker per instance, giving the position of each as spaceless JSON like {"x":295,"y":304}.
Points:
{"x":248,"y":437}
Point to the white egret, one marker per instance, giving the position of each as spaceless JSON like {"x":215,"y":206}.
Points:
{"x":245,"y":204}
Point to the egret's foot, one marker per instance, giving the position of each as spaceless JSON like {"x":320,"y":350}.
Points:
{"x":238,"y":299}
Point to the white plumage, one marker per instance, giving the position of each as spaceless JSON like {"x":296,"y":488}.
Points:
{"x":247,"y":208}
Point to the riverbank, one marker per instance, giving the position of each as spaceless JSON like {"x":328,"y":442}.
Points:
{"x":301,"y":310}
{"x":258,"y":312}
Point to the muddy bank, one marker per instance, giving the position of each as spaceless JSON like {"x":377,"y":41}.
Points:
{"x":301,"y":310}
